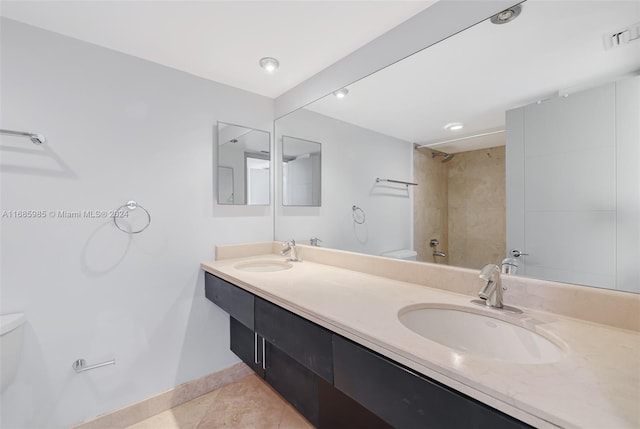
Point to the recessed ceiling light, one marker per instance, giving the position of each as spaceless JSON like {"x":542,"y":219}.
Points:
{"x":341,"y":93}
{"x":454,"y":126}
{"x":269,"y":64}
{"x":506,"y":15}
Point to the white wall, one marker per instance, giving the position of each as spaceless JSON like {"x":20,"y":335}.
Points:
{"x":572,"y":188}
{"x":119,"y":128}
{"x":301,"y":179}
{"x":352,"y":158}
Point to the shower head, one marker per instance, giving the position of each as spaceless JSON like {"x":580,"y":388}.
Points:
{"x":446,"y":157}
{"x":37,"y":138}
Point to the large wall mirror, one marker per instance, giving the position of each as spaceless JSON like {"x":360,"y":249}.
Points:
{"x":522,"y":136}
{"x":244,"y":164}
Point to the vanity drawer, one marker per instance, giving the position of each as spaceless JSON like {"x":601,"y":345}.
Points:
{"x":301,"y":339}
{"x":235,"y":301}
{"x":404,"y":398}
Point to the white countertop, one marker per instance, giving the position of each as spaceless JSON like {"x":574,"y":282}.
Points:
{"x":596,"y":385}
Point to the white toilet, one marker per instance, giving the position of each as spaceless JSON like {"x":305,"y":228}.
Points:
{"x":406,"y":254}
{"x":11,"y":327}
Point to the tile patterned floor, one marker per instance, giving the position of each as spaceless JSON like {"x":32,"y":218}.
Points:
{"x":248,"y":403}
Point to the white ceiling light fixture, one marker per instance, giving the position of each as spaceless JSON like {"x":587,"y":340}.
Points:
{"x":341,"y":93}
{"x":507,"y":15}
{"x":454,"y":126}
{"x":269,"y":64}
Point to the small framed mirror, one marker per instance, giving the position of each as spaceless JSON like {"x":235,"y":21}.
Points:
{"x":301,"y":172}
{"x":244,"y":165}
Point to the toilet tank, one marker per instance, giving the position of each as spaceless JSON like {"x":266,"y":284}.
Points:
{"x":406,"y":254}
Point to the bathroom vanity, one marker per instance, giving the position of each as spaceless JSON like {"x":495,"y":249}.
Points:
{"x":319,"y":372}
{"x":330,"y":340}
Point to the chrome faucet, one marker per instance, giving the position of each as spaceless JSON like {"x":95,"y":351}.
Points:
{"x":290,"y":246}
{"x":491,"y":291}
{"x":510,"y":266}
{"x":314,"y":241}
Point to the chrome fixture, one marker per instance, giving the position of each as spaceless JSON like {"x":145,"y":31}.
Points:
{"x":517,"y":253}
{"x":80,"y":365}
{"x":269,"y":64}
{"x":507,"y":15}
{"x":437,"y":143}
{"x":358,"y":215}
{"x":434,"y":243}
{"x":34,"y":137}
{"x":446,"y":157}
{"x":314,"y":241}
{"x":491,"y":291}
{"x":121,"y":213}
{"x":402,"y":182}
{"x":290,"y":247}
{"x":510,"y":266}
{"x":341,"y":93}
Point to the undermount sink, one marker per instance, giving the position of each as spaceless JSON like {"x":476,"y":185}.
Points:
{"x":263,"y":266}
{"x":479,"y":335}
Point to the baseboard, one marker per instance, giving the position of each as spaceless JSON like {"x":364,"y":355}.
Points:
{"x":178,"y":395}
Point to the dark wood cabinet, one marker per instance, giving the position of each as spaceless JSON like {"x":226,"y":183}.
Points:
{"x":334,"y":382}
{"x":304,"y":341}
{"x":235,"y":301}
{"x":293,"y":381}
{"x":247,"y":345}
{"x":405,"y":398}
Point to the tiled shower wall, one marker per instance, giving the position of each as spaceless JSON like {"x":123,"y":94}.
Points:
{"x":430,"y":211}
{"x":462,"y":204}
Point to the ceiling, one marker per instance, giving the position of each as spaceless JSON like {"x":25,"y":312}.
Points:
{"x":475,"y":76}
{"x":224,"y":40}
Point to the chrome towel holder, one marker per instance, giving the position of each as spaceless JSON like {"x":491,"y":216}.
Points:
{"x":402,"y":182}
{"x":358,"y":215}
{"x":80,"y":365}
{"x":131,"y":205}
{"x":34,"y":137}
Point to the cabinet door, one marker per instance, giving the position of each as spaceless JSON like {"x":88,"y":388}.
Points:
{"x":304,"y":341}
{"x":235,"y":301}
{"x":404,"y":398}
{"x":247,"y":345}
{"x":338,"y":411}
{"x":293,"y":381}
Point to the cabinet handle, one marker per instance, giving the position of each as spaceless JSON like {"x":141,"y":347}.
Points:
{"x":264,"y":359}
{"x":255,"y":348}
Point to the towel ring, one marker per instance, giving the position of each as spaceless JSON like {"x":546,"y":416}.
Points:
{"x":358,"y":215}
{"x":131,"y":205}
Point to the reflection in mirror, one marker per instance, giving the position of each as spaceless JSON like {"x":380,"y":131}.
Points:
{"x":243,"y":165}
{"x":301,"y":172}
{"x":526,"y":143}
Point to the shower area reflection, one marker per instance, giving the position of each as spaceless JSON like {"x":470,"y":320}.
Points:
{"x":460,"y":202}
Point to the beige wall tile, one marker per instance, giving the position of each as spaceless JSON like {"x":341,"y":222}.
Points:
{"x":462,"y":204}
{"x":430,"y":205}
